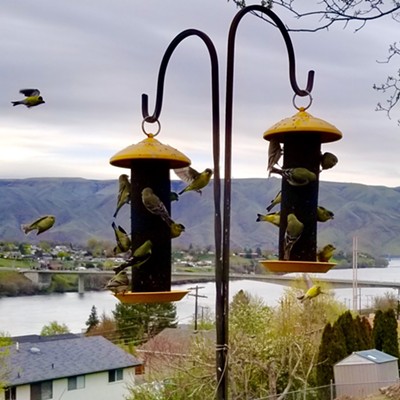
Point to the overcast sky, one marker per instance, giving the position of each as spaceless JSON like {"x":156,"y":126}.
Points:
{"x":92,"y":60}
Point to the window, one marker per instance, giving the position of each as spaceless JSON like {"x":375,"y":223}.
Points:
{"x":11,"y":393}
{"x":115,"y":375}
{"x":76,"y":382}
{"x":42,"y":390}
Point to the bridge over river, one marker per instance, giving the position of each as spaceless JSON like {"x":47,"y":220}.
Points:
{"x":43,"y":278}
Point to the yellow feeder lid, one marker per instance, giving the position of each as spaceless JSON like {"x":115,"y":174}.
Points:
{"x":303,"y":122}
{"x":151,"y":297}
{"x":150,"y":149}
{"x":279,"y":266}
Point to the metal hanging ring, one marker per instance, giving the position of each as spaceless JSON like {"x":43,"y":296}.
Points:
{"x":151,"y":134}
{"x":310,"y":99}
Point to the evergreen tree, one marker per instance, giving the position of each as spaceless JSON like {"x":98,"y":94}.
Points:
{"x":390,"y":343}
{"x":363,"y":333}
{"x":93,"y":319}
{"x":378,"y":331}
{"x":346,"y":323}
{"x":139,"y":321}
{"x":331,"y":350}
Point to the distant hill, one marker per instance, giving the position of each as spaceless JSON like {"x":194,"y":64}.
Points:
{"x":84,"y":209}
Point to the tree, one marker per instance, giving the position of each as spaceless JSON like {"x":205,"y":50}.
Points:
{"x":93,"y":319}
{"x":378,"y":330}
{"x":54,"y":328}
{"x":107,"y":328}
{"x":5,"y":341}
{"x":139,"y":321}
{"x":390,"y":343}
{"x":346,"y":324}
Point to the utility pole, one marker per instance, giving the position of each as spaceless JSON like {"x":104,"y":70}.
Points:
{"x":355,"y":266}
{"x":196,"y":295}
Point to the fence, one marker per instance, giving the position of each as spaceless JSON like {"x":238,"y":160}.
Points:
{"x":357,"y":391}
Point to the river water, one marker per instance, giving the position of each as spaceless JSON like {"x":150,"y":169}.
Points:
{"x":28,"y":314}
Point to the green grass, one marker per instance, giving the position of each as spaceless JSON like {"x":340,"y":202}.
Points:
{"x":12,"y":263}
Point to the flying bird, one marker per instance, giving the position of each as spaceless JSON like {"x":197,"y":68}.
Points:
{"x":176,"y":230}
{"x":119,"y":282}
{"x":273,"y":218}
{"x":139,"y":257}
{"x":32,"y":98}
{"x":274,"y":154}
{"x":124,"y":192}
{"x":153,"y":204}
{"x":312,"y":290}
{"x":122,"y":238}
{"x":42,"y":224}
{"x":294,"y":229}
{"x":296,"y":176}
{"x":195,"y":180}
{"x":328,"y":160}
{"x":323,"y":214}
{"x":326,"y":253}
{"x":276,"y":200}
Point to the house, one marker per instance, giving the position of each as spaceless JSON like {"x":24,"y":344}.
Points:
{"x":67,"y":367}
{"x":364,"y":372}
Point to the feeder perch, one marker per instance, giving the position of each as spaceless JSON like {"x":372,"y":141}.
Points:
{"x":150,"y":162}
{"x":301,"y":136}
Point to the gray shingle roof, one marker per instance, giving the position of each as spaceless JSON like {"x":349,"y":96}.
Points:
{"x":56,"y":359}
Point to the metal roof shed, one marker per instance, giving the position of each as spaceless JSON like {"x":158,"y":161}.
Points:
{"x":364,"y":372}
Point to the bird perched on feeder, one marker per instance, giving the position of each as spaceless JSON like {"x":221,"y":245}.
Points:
{"x":122,"y":238}
{"x":119,"y":282}
{"x":294,"y":229}
{"x":42,"y":224}
{"x":273,"y":218}
{"x":276,"y":200}
{"x":323,"y":214}
{"x":274,"y":154}
{"x":176,"y":230}
{"x":298,"y":176}
{"x":32,"y":98}
{"x":326,"y":253}
{"x":124,"y":192}
{"x":312,"y":290}
{"x":195,"y":180}
{"x":139,"y":257}
{"x":153,"y":204}
{"x":328,"y":160}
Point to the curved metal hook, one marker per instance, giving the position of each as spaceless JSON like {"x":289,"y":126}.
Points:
{"x":163,"y":67}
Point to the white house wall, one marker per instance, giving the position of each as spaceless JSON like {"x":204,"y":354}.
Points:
{"x":96,"y":387}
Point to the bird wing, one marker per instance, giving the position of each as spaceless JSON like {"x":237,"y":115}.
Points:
{"x":308,"y":281}
{"x":30,"y":92}
{"x":187,"y":174}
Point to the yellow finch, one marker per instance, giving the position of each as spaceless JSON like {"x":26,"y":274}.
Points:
{"x":273,"y":218}
{"x":32,"y":98}
{"x":124,"y":192}
{"x":176,"y":230}
{"x":42,"y":224}
{"x":328,"y":160}
{"x":119,"y":282}
{"x":274,"y":153}
{"x":195,"y":180}
{"x":276,"y":200}
{"x":323,"y":214}
{"x":139,"y":257}
{"x":296,"y":176}
{"x":122,"y":238}
{"x":294,"y":229}
{"x":153,"y":204}
{"x":326,"y":253}
{"x":312,"y":290}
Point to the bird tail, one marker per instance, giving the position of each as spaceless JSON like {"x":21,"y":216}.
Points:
{"x":182,"y":191}
{"x":301,"y":297}
{"x":270,"y":207}
{"x":276,"y":171}
{"x":259,"y":218}
{"x":15,"y":103}
{"x":26,"y":228}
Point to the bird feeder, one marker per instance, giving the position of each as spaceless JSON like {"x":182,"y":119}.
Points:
{"x":301,"y":136}
{"x":150,"y":162}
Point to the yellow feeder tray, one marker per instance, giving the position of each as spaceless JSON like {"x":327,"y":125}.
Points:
{"x":151,"y":297}
{"x":150,"y":149}
{"x":296,"y":266}
{"x":303,"y":122}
